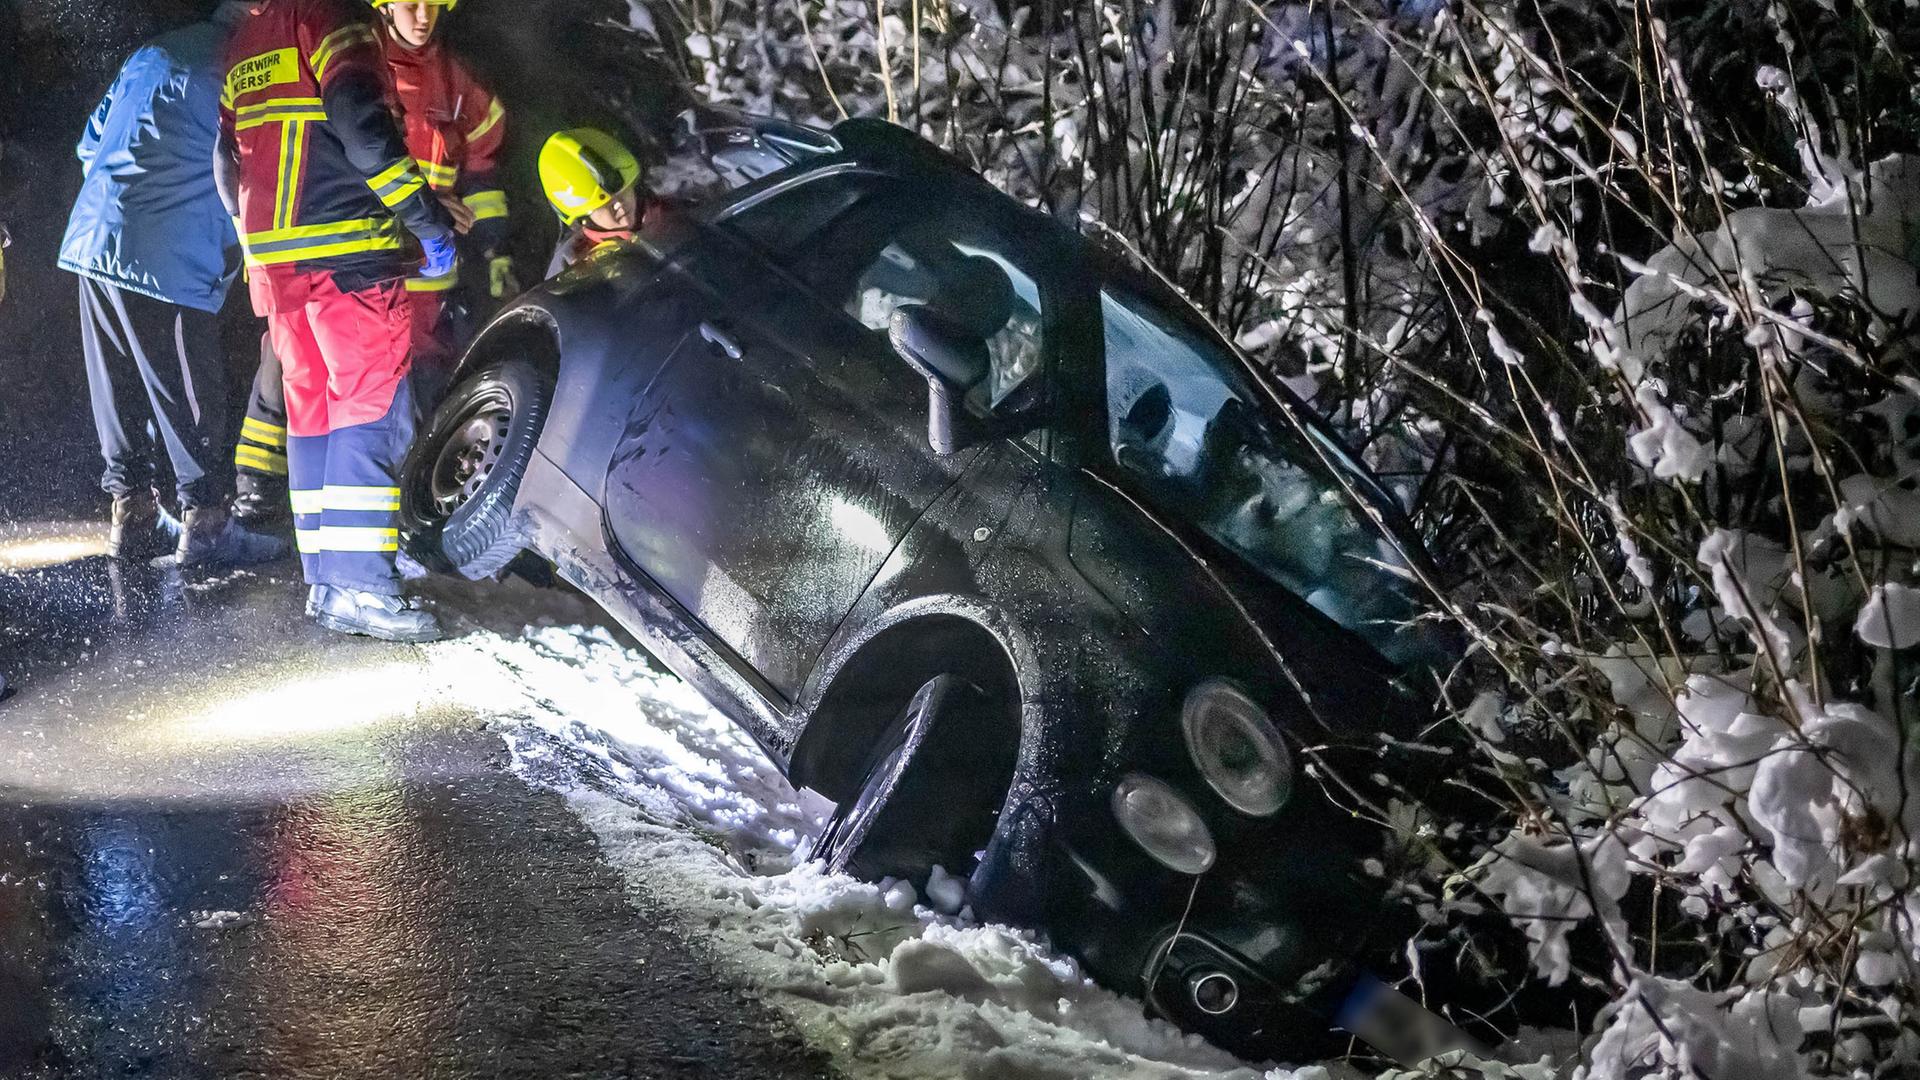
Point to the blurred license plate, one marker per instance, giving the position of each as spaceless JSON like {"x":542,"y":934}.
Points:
{"x":1398,"y":1026}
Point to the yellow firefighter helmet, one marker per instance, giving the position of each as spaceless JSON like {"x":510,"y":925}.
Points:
{"x":583,"y":169}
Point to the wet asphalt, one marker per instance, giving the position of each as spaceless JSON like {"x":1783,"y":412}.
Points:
{"x":212,"y":866}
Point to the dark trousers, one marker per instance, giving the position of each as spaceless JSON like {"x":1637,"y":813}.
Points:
{"x":262,"y":448}
{"x":158,"y":382}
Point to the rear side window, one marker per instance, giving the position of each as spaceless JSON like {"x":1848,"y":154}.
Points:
{"x":1189,"y":432}
{"x":782,"y":221}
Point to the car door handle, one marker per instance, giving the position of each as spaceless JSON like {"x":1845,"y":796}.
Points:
{"x":720,"y":339}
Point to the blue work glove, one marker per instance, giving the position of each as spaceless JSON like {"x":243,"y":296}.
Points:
{"x":440,"y":256}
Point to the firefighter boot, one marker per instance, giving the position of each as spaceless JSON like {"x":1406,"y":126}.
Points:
{"x":212,"y":538}
{"x":260,"y":500}
{"x":389,"y":618}
{"x":140,"y":528}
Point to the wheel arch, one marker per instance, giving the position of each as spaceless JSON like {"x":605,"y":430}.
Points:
{"x":528,"y":332}
{"x":873,"y":680}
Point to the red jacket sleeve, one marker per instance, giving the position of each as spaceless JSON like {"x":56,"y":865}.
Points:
{"x":484,"y":123}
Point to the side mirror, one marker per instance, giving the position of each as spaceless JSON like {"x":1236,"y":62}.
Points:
{"x":948,"y":359}
{"x":1139,"y":438}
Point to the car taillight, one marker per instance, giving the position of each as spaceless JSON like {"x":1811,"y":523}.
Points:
{"x":1165,"y":825}
{"x":1237,"y":749}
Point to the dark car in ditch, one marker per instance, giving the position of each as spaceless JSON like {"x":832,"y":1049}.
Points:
{"x":987,"y":537}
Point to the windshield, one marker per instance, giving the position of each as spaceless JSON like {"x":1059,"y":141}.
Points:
{"x":1189,"y":433}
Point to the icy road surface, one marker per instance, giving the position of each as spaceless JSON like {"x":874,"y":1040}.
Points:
{"x":694,"y":816}
{"x":235,"y":845}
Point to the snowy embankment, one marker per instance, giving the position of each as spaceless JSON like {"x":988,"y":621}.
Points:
{"x":691,"y":812}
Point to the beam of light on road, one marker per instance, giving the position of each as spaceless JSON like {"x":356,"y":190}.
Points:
{"x":37,"y":553}
{"x":312,"y":708}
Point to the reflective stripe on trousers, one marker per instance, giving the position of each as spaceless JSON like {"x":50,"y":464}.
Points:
{"x":346,"y":499}
{"x":263,"y":444}
{"x":343,"y":360}
{"x":266,"y":411}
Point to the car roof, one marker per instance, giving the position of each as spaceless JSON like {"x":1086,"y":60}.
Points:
{"x":894,"y":149}
{"x":880,"y":142}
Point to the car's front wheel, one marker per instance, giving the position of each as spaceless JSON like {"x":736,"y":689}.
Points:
{"x":463,"y":473}
{"x":930,"y":794}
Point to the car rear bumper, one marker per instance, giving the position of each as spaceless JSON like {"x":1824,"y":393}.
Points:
{"x":1201,"y":983}
{"x":1258,"y":954}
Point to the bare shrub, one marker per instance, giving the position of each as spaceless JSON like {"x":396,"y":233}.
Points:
{"x":1619,"y":296}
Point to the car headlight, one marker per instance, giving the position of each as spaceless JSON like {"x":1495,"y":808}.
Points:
{"x":1165,"y":825}
{"x":1237,"y":748}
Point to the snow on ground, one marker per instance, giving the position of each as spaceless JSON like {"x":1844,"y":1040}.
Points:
{"x":690,"y":810}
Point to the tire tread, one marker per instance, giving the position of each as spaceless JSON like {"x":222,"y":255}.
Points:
{"x":481,"y":538}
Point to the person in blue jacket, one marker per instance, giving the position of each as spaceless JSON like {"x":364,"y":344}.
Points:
{"x":156,"y":254}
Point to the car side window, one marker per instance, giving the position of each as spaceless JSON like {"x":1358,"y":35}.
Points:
{"x":782,"y":221}
{"x":895,"y":252}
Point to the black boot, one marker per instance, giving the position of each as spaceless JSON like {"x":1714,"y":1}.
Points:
{"x":211,"y":538}
{"x":355,"y":611}
{"x":261,"y":499}
{"x":140,"y":529}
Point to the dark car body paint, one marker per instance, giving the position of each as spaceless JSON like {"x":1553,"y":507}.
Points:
{"x":763,"y":493}
{"x":1107,"y":614}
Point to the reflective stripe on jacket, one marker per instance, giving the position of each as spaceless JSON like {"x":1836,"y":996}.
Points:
{"x":325,"y":181}
{"x":148,"y":218}
{"x":456,"y":129}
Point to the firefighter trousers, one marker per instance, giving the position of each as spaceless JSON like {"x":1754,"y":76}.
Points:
{"x":262,"y":448}
{"x":343,"y":365}
{"x":158,"y":378}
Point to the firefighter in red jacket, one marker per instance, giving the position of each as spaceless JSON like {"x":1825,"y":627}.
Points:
{"x":593,"y":183}
{"x":456,"y":130}
{"x":320,"y":182}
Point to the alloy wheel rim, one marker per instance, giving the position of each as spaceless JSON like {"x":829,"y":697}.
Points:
{"x":859,"y":821}
{"x":471,"y":453}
